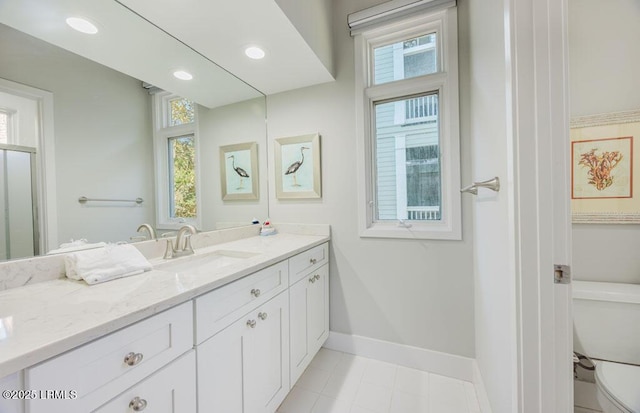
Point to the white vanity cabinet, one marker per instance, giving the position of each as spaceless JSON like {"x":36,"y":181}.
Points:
{"x":104,"y":368}
{"x":238,"y":348}
{"x":244,"y":367}
{"x":308,"y":307}
{"x":170,"y":390}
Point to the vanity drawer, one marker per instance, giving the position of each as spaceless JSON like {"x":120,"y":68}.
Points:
{"x":105,"y":367}
{"x":170,"y":390}
{"x":219,"y":308}
{"x":310,"y":260}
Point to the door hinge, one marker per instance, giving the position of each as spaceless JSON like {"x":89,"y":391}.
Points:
{"x":561,"y":274}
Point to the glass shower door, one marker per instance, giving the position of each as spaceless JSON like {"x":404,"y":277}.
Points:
{"x":18,"y":222}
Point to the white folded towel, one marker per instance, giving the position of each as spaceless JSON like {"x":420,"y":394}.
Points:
{"x":77,"y":245}
{"x":105,"y":264}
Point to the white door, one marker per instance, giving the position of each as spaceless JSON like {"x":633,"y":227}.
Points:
{"x":518,"y":127}
{"x":540,"y":129}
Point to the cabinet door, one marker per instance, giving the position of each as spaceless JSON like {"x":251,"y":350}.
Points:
{"x":309,"y":319}
{"x":318,"y":309}
{"x":220,"y":371}
{"x":244,"y":368}
{"x":266,"y":355}
{"x":170,"y":390}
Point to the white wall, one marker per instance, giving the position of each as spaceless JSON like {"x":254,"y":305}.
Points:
{"x":603,"y":72}
{"x":312,"y":18}
{"x":412,"y":292}
{"x":242,"y":122}
{"x":484,"y":123}
{"x":103,"y":138}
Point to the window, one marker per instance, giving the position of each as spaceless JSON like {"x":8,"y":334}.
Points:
{"x":182,"y":177}
{"x":406,"y":72}
{"x":6,"y":126}
{"x":176,"y":155}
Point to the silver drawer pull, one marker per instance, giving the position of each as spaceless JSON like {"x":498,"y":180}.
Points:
{"x":262,"y":316}
{"x":138,"y":404}
{"x":255,"y":292}
{"x":133,"y":358}
{"x":317,"y":277}
{"x":251,"y":323}
{"x":312,"y":279}
{"x":312,"y":260}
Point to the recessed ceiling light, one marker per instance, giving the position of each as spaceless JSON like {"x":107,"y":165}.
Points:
{"x":182,"y":75}
{"x":254,"y":52}
{"x":82,"y":25}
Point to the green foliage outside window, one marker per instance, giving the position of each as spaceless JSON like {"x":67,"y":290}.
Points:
{"x":183,"y":177}
{"x":182,"y":112}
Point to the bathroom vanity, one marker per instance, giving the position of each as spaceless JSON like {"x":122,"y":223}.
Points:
{"x":228,"y":329}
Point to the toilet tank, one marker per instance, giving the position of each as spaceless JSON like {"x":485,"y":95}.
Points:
{"x":606,"y":321}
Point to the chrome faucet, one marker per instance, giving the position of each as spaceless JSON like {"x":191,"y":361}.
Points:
{"x":177,"y":251}
{"x":150,"y":230}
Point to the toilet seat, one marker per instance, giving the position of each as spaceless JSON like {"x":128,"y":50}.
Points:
{"x":619,"y":386}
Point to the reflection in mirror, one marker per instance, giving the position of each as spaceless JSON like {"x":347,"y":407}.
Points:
{"x":103,"y":145}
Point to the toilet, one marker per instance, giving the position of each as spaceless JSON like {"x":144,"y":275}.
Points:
{"x":606,"y":318}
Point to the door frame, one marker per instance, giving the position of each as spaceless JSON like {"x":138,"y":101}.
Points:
{"x":45,"y":162}
{"x":538,"y":126}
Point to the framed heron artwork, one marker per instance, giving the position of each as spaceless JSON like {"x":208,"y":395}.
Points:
{"x":604,"y":176}
{"x":239,"y":171}
{"x":297,"y":167}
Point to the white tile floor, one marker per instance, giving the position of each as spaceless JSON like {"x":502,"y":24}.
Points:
{"x":343,"y":383}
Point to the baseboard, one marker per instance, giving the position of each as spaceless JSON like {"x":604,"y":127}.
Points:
{"x":481,"y":392}
{"x":436,"y":362}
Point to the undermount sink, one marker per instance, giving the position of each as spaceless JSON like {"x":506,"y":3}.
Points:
{"x":204,"y":263}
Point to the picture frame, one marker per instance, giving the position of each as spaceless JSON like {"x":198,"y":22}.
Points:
{"x":297,"y":167}
{"x":239,"y":172}
{"x":604,"y":173}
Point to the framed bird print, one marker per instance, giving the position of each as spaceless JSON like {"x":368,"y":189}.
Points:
{"x":239,"y":171}
{"x":297,"y":167}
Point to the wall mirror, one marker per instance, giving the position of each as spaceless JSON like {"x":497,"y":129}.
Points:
{"x":102,"y":123}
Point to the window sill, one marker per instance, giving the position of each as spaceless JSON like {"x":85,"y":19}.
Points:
{"x":412,"y":230}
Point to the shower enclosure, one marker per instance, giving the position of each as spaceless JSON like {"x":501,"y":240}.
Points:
{"x":18,"y":223}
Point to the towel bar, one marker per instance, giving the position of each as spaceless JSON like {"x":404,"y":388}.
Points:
{"x":84,"y":200}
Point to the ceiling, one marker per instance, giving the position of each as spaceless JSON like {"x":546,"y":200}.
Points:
{"x":214,"y":31}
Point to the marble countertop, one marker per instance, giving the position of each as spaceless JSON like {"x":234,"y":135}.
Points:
{"x":41,"y":320}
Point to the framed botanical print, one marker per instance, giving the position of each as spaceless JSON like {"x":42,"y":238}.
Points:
{"x":604,"y":176}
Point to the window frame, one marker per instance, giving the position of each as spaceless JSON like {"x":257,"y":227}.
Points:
{"x":162,"y":133}
{"x":444,"y":82}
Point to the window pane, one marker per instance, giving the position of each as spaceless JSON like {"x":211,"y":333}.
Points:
{"x":4,"y":128}
{"x":181,"y":111}
{"x":405,"y":59}
{"x":182,"y":177}
{"x":407,"y":156}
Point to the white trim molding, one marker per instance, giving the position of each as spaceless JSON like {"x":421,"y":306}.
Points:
{"x":450,"y":365}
